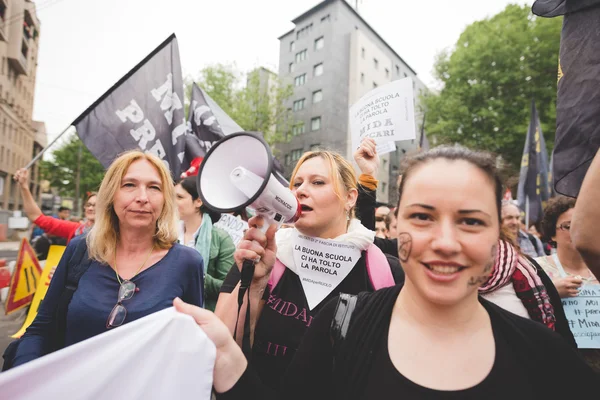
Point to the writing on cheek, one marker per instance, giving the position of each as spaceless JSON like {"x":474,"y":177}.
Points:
{"x":477,"y":280}
{"x":404,"y":246}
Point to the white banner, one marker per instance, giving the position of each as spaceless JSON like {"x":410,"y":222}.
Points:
{"x":386,"y":114}
{"x":322,"y":264}
{"x":165,"y":355}
{"x":234,"y":226}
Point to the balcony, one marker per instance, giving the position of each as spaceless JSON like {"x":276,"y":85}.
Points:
{"x":3,"y":14}
{"x":18,"y":59}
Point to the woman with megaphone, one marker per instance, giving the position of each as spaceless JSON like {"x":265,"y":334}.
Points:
{"x":433,"y":337}
{"x":299,"y":269}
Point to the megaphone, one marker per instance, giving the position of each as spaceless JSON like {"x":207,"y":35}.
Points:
{"x":237,"y":172}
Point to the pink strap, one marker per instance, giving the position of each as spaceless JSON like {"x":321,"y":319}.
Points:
{"x":276,"y":274}
{"x":378,"y":268}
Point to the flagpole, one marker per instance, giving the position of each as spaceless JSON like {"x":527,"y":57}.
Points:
{"x":527,"y":213}
{"x":39,"y":155}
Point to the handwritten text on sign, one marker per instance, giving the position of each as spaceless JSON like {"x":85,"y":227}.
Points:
{"x":234,"y":226}
{"x":583,"y":314}
{"x":322,"y":265}
{"x":386,"y":114}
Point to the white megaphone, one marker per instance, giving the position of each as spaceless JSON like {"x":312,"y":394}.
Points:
{"x":237,"y":172}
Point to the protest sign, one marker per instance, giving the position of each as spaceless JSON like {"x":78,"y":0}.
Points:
{"x":234,"y":226}
{"x":386,"y":114}
{"x":24,"y":280}
{"x":583,"y":314}
{"x":322,"y":264}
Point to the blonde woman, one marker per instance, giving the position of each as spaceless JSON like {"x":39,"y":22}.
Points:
{"x":135,"y":266}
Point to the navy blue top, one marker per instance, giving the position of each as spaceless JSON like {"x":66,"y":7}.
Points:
{"x":177,"y":274}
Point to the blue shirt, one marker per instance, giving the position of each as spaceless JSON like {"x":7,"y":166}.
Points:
{"x":177,"y":274}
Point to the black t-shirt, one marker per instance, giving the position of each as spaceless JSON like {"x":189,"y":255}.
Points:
{"x":286,"y":316}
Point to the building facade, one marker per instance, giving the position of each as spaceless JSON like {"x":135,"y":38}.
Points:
{"x":332,"y":58}
{"x":21,"y":138}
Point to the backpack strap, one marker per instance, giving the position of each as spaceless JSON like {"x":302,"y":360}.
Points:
{"x":77,"y":265}
{"x":341,"y":319}
{"x":276,"y":274}
{"x":378,"y":268}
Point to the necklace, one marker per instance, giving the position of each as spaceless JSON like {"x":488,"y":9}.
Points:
{"x":137,"y":272}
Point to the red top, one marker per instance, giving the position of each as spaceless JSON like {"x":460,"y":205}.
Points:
{"x":57,"y":227}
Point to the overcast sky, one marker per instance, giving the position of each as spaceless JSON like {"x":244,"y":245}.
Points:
{"x":87,"y":45}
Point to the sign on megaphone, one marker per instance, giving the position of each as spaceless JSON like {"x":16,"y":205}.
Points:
{"x":237,"y":172}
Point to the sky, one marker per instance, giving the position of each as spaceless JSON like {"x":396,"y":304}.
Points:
{"x":87,"y":45}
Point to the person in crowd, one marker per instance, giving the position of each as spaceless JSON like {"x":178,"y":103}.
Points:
{"x":381,"y":229}
{"x":433,"y":337}
{"x":382,"y":211}
{"x":325,"y":185}
{"x":63,"y":213}
{"x":42,"y":243}
{"x":516,"y":282}
{"x":586,"y":218}
{"x":136,"y":268}
{"x":390,"y":223}
{"x":511,"y":219}
{"x":196,"y":230}
{"x":54,"y":226}
{"x":566,"y":267}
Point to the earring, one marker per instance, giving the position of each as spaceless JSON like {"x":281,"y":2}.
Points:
{"x":347,"y":215}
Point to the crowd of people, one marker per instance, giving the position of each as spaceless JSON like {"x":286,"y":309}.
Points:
{"x":447,"y":293}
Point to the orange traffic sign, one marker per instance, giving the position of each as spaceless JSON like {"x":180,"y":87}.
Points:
{"x":25,"y":279}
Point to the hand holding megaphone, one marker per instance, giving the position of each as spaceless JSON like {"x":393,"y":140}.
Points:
{"x":259,"y":246}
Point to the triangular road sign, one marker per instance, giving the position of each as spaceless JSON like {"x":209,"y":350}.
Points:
{"x":24,"y":280}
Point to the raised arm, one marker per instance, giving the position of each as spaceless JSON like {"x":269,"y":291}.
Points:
{"x":29,"y":205}
{"x":585,"y":224}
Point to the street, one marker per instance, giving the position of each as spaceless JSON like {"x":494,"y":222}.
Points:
{"x":9,"y":324}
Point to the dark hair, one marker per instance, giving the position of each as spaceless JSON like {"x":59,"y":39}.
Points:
{"x":392,"y":215}
{"x":190,"y":186}
{"x":63,"y":208}
{"x":485,"y":161}
{"x":554,"y":209}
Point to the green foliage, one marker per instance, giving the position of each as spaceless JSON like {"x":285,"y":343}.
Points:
{"x":497,"y":67}
{"x":258,"y":104}
{"x":61,"y":171}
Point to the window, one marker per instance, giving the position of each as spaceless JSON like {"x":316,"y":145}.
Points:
{"x":362,"y":52}
{"x":374,"y":85}
{"x":375,"y":63}
{"x":298,"y":129}
{"x":314,"y":147}
{"x":325,"y":18}
{"x":298,"y":105}
{"x":315,"y":124}
{"x":300,"y":80}
{"x":301,"y":56}
{"x":397,"y":70}
{"x":405,"y":75}
{"x":318,"y":70}
{"x":291,"y":67}
{"x":304,"y":31}
{"x":362,"y":77}
{"x":296,"y":154}
{"x":319,"y":43}
{"x":387,"y":73}
{"x":317,"y":96}
{"x":287,"y":159}
{"x":2,"y":154}
{"x":292,"y":45}
{"x":382,"y":187}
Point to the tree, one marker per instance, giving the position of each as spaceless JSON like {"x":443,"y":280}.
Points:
{"x":61,"y":171}
{"x":497,"y":66}
{"x":258,"y":105}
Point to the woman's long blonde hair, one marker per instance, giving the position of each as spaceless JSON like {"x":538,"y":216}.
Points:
{"x":342,"y":174}
{"x":103,"y":237}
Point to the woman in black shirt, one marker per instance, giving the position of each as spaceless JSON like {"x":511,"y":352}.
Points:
{"x":433,"y":338}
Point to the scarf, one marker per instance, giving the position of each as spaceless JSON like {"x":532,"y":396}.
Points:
{"x":356,"y":235}
{"x":203,"y":239}
{"x":512,"y":268}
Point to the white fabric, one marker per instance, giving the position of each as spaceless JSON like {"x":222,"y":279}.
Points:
{"x":506,"y":298}
{"x":165,"y":355}
{"x":192,"y":241}
{"x":356,"y":235}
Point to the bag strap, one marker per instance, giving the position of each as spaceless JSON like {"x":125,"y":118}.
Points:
{"x":276,"y":274}
{"x":77,"y":265}
{"x":341,"y":319}
{"x":378,"y":268}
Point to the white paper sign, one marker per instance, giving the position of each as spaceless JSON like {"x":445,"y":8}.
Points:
{"x":386,"y":114}
{"x":234,"y":226}
{"x":165,"y":355}
{"x":322,"y":265}
{"x":386,"y":147}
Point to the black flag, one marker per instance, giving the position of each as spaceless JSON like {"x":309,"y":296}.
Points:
{"x":143,"y":110}
{"x":578,"y":103}
{"x":423,"y":141}
{"x":533,"y":180}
